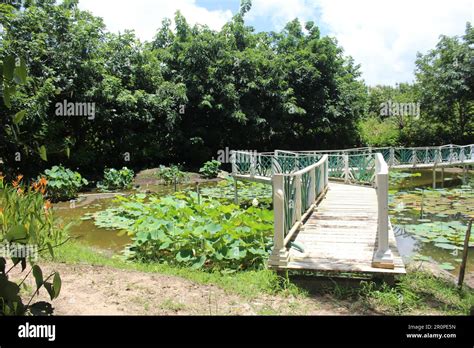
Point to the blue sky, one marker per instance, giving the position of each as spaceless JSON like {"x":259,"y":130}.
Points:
{"x":381,"y":35}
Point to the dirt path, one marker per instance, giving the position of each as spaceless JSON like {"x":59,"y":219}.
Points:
{"x":100,"y":290}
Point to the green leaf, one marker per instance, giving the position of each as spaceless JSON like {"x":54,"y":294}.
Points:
{"x":447,"y":266}
{"x":17,"y":233}
{"x":19,"y":116}
{"x":49,"y":288}
{"x":3,"y":263}
{"x":20,"y":72}
{"x":42,"y":153}
{"x":56,"y":284}
{"x":38,"y":274}
{"x":445,"y":246}
{"x":8,"y":67}
{"x":50,"y":249}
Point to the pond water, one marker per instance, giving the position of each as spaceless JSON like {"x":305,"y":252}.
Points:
{"x":83,"y":227}
{"x":428,"y":224}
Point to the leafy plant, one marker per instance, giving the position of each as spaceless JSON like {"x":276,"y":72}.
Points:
{"x":171,"y":174}
{"x":26,"y":229}
{"x":210,"y":169}
{"x":116,"y":179}
{"x":178,"y":230}
{"x":249,"y":193}
{"x":63,"y":183}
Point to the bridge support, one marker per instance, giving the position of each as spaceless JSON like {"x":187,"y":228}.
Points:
{"x":434,"y":177}
{"x":383,"y":257}
{"x":442,"y":177}
{"x":280,"y":256}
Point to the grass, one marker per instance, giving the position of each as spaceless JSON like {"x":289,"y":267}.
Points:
{"x":418,"y":292}
{"x":248,"y":283}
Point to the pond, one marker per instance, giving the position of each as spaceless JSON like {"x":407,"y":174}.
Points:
{"x":429,"y":224}
{"x":83,"y":228}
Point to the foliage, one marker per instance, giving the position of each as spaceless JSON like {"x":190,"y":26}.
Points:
{"x":186,"y":94}
{"x":63,"y":183}
{"x":417,"y":291}
{"x":179,"y":230}
{"x":116,"y":179}
{"x":26,"y":227}
{"x":249,"y":193}
{"x":171,"y":174}
{"x":377,"y":132}
{"x":446,"y":79}
{"x":210,"y":169}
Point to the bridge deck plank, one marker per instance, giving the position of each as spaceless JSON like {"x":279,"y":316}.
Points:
{"x":341,"y":234}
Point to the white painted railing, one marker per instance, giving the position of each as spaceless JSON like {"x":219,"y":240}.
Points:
{"x":383,"y":257}
{"x":295,"y":195}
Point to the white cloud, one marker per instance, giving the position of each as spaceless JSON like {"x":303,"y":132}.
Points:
{"x":280,"y":12}
{"x":145,"y":16}
{"x":384,"y":36}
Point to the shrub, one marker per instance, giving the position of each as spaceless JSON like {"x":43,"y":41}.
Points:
{"x":210,"y":169}
{"x":116,"y":179}
{"x":63,"y":183}
{"x":27,"y":227}
{"x":181,"y":230}
{"x":171,"y":174}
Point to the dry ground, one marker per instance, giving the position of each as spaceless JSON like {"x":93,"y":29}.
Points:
{"x":101,"y":290}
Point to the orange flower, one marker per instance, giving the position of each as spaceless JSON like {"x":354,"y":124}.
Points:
{"x":19,"y":190}
{"x":47,"y":205}
{"x":16,"y":182}
{"x":43,"y":181}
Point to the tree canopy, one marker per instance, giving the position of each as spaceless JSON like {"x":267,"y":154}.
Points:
{"x":192,"y":91}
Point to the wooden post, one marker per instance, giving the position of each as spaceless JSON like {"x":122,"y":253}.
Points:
{"x":199,"y":193}
{"x":298,"y":203}
{"x":346,"y":168}
{"x":442,"y":177}
{"x":462,"y":269}
{"x":383,"y":257}
{"x":236,"y":193}
{"x":253,"y":164}
{"x":326,"y":172}
{"x":312,"y":186}
{"x":434,"y":176}
{"x":279,"y":256}
{"x":233,"y":161}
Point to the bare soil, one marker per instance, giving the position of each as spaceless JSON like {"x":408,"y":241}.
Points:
{"x":100,"y":290}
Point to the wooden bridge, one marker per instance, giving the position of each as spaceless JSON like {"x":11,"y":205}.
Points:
{"x":341,"y":224}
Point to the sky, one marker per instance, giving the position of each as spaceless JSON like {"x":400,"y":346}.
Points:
{"x":383,"y":36}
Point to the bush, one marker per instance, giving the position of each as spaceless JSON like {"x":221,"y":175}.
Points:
{"x":63,"y":183}
{"x":116,"y":179}
{"x":210,"y":169}
{"x":27,"y":227}
{"x":171,"y":174}
{"x":200,"y":233}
